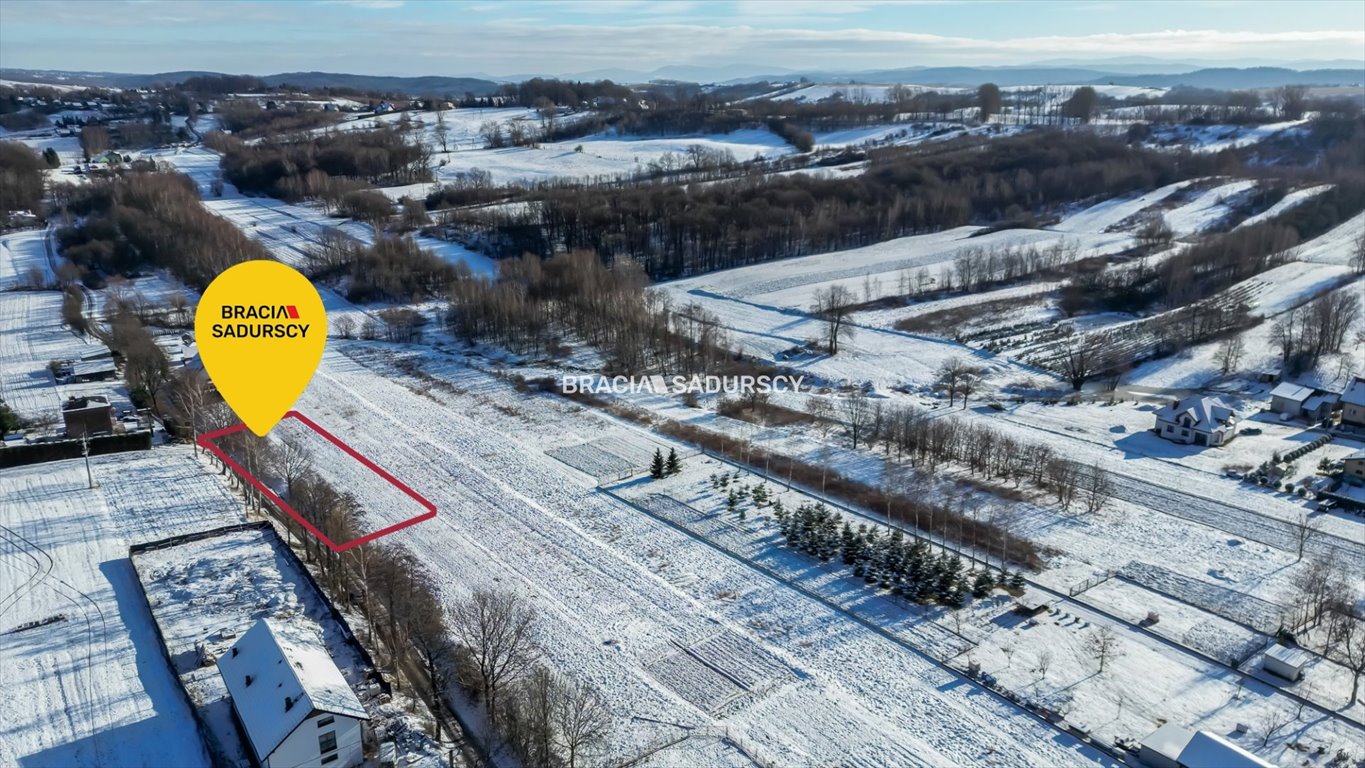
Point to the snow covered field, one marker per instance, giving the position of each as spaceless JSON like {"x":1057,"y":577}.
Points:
{"x":92,"y":689}
{"x":618,"y":590}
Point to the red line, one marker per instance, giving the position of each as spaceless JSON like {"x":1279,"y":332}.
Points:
{"x":207,"y":441}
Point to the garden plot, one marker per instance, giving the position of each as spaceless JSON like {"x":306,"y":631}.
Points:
{"x":592,"y":460}
{"x":697,"y":683}
{"x":757,"y":540}
{"x":1193,"y":627}
{"x":1239,"y":607}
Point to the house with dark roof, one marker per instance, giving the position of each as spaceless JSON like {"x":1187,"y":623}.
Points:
{"x":291,"y":701}
{"x":1198,"y":420}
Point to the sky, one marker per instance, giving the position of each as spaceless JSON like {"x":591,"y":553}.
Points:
{"x":568,"y":37}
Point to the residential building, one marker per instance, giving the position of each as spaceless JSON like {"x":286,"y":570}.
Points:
{"x":1355,"y":467}
{"x":1353,"y":403}
{"x":290,"y":699}
{"x":87,"y":416}
{"x":1198,"y":420}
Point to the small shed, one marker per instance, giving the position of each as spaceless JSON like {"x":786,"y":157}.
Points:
{"x":1283,"y":661}
{"x":1288,"y":398}
{"x":1319,"y":407}
{"x":1162,"y":747}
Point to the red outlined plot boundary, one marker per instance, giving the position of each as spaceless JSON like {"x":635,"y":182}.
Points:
{"x":206,"y":441}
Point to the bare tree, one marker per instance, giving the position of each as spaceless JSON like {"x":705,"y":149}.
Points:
{"x":857,"y":415}
{"x":442,"y":130}
{"x":834,"y":304}
{"x":1097,"y":489}
{"x":821,"y":412}
{"x":1103,"y":644}
{"x":1346,"y":641}
{"x":1358,"y":255}
{"x":1080,"y":359}
{"x":1043,"y":664}
{"x":581,"y":718}
{"x":1305,"y":529}
{"x":1230,"y":353}
{"x":344,"y":326}
{"x":1275,"y":720}
{"x":292,"y":460}
{"x":494,"y":626}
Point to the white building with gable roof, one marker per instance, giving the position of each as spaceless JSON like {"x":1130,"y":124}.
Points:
{"x":291,"y":700}
{"x":1197,"y":421}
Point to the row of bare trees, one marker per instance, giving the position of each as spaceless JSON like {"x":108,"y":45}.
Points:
{"x":929,"y":441}
{"x":1307,"y":332}
{"x":483,"y":642}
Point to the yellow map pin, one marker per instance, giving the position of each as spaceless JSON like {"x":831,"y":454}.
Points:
{"x":261,"y":329}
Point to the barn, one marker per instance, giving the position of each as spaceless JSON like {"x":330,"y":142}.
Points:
{"x":291,"y":701}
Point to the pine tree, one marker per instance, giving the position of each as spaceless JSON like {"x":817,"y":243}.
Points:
{"x":983,"y":585}
{"x":732,"y":501}
{"x":656,"y":468}
{"x":674,"y":465}
{"x":779,"y":512}
{"x":1017,"y":580}
{"x":743,"y":515}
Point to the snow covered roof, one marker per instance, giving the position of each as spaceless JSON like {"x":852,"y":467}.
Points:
{"x":1356,"y":456}
{"x":1209,"y":750}
{"x":278,"y":677}
{"x":1204,"y":412}
{"x":1355,"y":393}
{"x":1316,"y":401}
{"x":1168,"y":740}
{"x":1291,"y":391}
{"x":1295,"y":657}
{"x":1199,"y":749}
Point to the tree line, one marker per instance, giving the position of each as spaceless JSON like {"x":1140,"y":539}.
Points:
{"x":673,"y":230}
{"x":147,"y":219}
{"x":21,"y":179}
{"x":326,"y":167}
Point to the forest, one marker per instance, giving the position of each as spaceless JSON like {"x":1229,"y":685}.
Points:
{"x":326,"y":166}
{"x":674,"y":231}
{"x":146,"y":220}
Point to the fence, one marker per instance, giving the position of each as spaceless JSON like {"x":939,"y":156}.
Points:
{"x":1093,"y":581}
{"x":37,"y":453}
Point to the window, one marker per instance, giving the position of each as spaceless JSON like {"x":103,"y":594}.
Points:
{"x":1170,"y":428}
{"x":329,"y":758}
{"x":327,"y":741}
{"x":324,"y":721}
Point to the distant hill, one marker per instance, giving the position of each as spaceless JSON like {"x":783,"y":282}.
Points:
{"x":411,"y":86}
{"x":1230,"y":79}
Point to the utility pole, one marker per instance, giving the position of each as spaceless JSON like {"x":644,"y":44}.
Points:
{"x":85,"y":451}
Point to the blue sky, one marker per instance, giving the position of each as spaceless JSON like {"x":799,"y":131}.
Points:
{"x":428,"y":37}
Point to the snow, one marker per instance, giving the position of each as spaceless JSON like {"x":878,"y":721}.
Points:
{"x":93,"y":689}
{"x":1289,"y":201}
{"x":23,"y":260}
{"x":619,"y":591}
{"x":1207,"y":209}
{"x":1337,"y":246}
{"x":1105,"y":215}
{"x":1216,"y":138}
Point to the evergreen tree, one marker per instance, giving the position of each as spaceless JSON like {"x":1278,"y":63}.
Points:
{"x":983,"y":585}
{"x":1017,"y":580}
{"x":848,"y":544}
{"x":779,"y":512}
{"x":674,"y":465}
{"x":656,"y":468}
{"x":732,"y":501}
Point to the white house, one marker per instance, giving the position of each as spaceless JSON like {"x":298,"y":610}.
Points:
{"x":1288,"y":398}
{"x":291,"y":700}
{"x":1197,"y":420}
{"x":1173,"y":746}
{"x":1353,"y":403}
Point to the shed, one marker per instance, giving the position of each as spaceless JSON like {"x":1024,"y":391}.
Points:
{"x":1319,"y":407}
{"x":91,"y":415}
{"x":1283,"y":661}
{"x":1288,"y":398}
{"x":1162,"y":747}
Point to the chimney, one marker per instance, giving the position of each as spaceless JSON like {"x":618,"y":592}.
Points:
{"x":248,"y":681}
